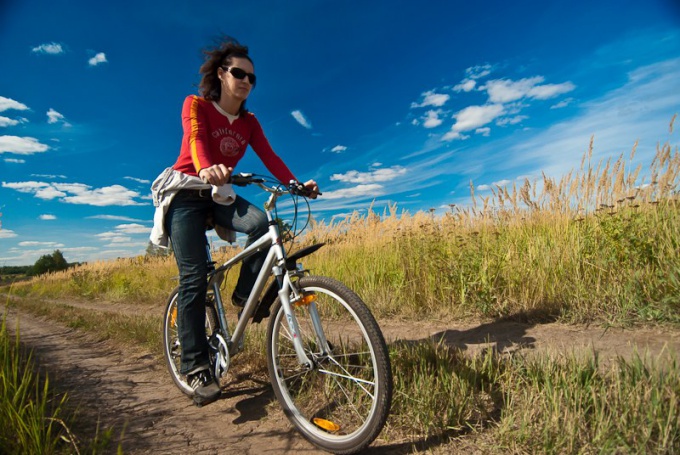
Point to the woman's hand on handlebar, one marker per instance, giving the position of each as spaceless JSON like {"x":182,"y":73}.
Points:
{"x":217,"y":174}
{"x":312,"y":188}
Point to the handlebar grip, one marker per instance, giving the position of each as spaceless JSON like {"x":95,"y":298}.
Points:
{"x":243,"y":179}
{"x":299,"y":189}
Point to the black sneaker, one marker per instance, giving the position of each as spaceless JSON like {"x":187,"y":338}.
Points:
{"x":206,"y":389}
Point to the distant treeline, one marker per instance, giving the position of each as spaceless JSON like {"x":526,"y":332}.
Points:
{"x":15,"y":269}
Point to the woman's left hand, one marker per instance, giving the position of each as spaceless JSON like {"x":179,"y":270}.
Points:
{"x":313,"y":188}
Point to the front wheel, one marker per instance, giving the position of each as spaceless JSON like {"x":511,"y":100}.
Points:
{"x":341,"y":403}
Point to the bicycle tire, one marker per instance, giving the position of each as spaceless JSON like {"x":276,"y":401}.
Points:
{"x":171,"y":345}
{"x":342,"y":403}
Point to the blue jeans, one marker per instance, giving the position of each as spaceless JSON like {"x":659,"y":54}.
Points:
{"x":185,"y":222}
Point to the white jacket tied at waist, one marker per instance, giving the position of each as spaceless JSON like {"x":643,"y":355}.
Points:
{"x":164,"y":189}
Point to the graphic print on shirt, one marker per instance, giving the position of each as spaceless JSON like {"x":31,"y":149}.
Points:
{"x":231,"y":143}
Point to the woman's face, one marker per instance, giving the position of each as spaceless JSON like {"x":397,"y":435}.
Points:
{"x":233,"y":87}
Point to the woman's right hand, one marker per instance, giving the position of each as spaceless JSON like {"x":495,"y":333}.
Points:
{"x":217,"y":174}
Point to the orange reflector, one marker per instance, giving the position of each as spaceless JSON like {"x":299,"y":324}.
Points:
{"x":325,"y":424}
{"x":306,"y":299}
{"x":173,"y":317}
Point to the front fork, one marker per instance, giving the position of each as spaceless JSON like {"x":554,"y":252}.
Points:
{"x":286,"y":290}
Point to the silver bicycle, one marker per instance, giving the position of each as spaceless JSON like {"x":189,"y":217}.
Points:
{"x":327,"y":359}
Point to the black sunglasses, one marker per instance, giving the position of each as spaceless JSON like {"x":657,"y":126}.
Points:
{"x":238,"y":73}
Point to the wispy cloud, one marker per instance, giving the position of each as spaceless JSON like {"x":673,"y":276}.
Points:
{"x":41,"y":244}
{"x":638,"y":111}
{"x":113,"y":218}
{"x":301,"y":119}
{"x":47,"y":217}
{"x":564,"y":103}
{"x":9,"y":103}
{"x":21,"y":145}
{"x":135,"y":179}
{"x":370,"y":190}
{"x":6,"y":121}
{"x":49,"y":48}
{"x":14,"y":160}
{"x":338,"y":149}
{"x":120,"y":237}
{"x":432,"y":119}
{"x":49,"y":176}
{"x":431,"y":98}
{"x":506,"y":90}
{"x":98,"y":59}
{"x":133,"y":228}
{"x":78,"y":193}
{"x":7,"y":234}
{"x":377,"y":175}
{"x":472,"y":74}
{"x":56,"y":117}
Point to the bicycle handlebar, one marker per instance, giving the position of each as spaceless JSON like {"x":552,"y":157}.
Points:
{"x":244,"y":179}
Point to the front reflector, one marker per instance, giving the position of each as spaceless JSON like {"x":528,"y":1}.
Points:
{"x":326,"y":425}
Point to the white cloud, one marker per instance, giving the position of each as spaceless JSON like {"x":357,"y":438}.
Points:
{"x":78,"y":193}
{"x":564,"y":103}
{"x":506,"y":90}
{"x":454,"y":135}
{"x":430,"y":98}
{"x":378,"y":175}
{"x":133,"y":228}
{"x":301,"y":119}
{"x":370,"y":190}
{"x":471,"y":118}
{"x":338,"y":149}
{"x":41,"y":244}
{"x":97,"y":59}
{"x":21,"y":145}
{"x":483,"y":131}
{"x":113,"y":217}
{"x":49,"y":48}
{"x":7,"y":234}
{"x":49,"y":176}
{"x":134,"y":179}
{"x":54,"y":116}
{"x":47,"y":217}
{"x":478,"y":72}
{"x":511,"y":120}
{"x":466,"y":85}
{"x":547,"y":91}
{"x":14,"y":160}
{"x":8,"y":103}
{"x":6,"y":121}
{"x":432,"y":119}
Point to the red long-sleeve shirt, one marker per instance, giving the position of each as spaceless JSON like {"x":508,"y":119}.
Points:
{"x":211,"y":138}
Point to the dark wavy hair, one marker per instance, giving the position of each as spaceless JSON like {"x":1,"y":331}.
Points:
{"x":221,"y":55}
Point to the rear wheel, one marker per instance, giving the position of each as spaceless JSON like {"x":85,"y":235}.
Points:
{"x":341,"y":403}
{"x":171,"y":346}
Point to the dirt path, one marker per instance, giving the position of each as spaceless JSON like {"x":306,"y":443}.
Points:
{"x":130,"y":391}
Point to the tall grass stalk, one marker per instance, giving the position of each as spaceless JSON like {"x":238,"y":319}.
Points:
{"x":30,"y":414}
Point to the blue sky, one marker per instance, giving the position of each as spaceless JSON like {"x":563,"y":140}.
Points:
{"x":392,"y":101}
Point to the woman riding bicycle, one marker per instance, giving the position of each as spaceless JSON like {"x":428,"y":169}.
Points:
{"x":217,"y":130}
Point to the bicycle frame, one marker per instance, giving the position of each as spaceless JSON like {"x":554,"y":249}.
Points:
{"x":274,"y":264}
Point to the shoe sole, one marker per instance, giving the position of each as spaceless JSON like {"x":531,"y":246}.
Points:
{"x":202,"y":401}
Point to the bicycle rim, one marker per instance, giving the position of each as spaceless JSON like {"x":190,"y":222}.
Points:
{"x":342,"y":403}
{"x":171,"y":345}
